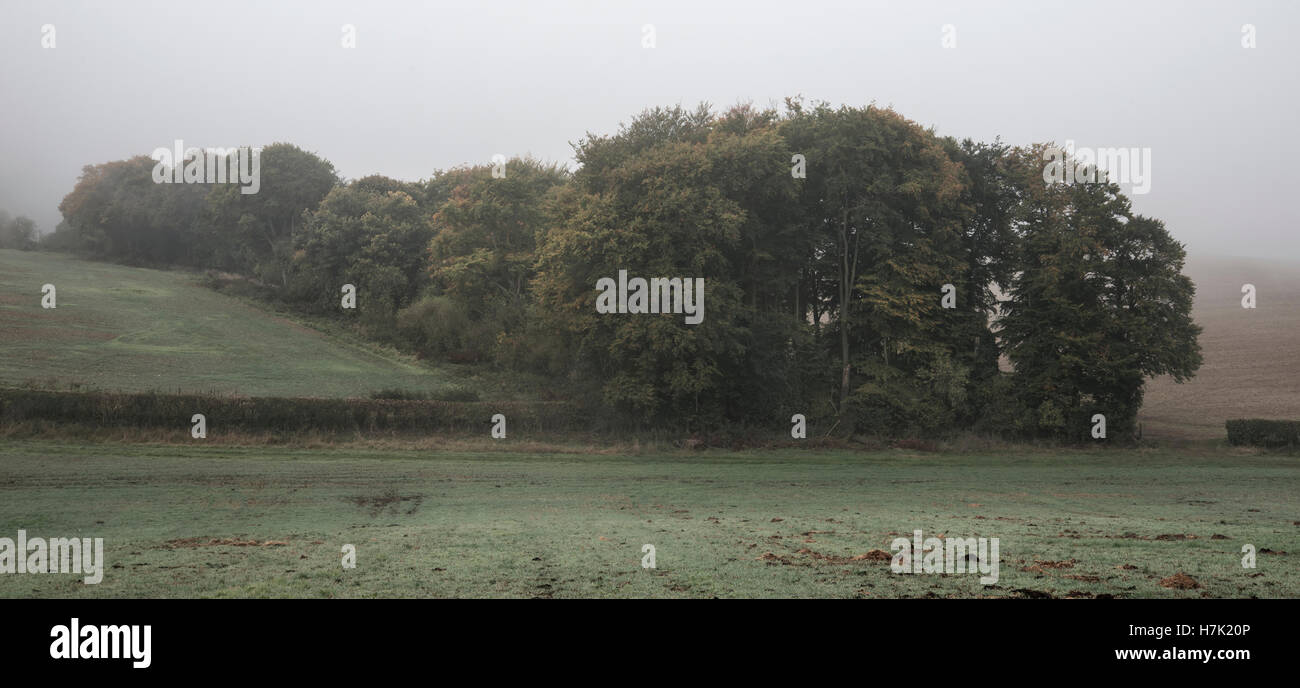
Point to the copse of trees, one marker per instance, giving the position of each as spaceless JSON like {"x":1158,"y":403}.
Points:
{"x":654,"y":203}
{"x":482,"y":261}
{"x":255,"y":233}
{"x":883,"y":201}
{"x":117,"y":211}
{"x":859,"y":270}
{"x":366,"y":236}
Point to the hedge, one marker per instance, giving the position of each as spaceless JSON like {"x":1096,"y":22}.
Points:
{"x":1264,"y":433}
{"x":280,"y":414}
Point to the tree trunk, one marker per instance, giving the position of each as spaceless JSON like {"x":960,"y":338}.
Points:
{"x":846,"y":288}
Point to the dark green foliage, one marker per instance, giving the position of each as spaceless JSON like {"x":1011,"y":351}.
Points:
{"x":370,"y":238}
{"x":1264,"y":433}
{"x":823,"y":291}
{"x":255,"y":233}
{"x":883,"y":208}
{"x":277,"y":414}
{"x":656,"y":202}
{"x":450,"y":394}
{"x":117,"y":212}
{"x":1098,"y":304}
{"x":481,"y":261}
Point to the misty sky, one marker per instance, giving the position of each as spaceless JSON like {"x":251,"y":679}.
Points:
{"x":434,"y":85}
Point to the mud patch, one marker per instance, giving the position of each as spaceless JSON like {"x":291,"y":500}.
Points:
{"x":1028,"y":594}
{"x":389,"y":501}
{"x":1163,"y":537}
{"x":1085,"y":595}
{"x":220,"y":542}
{"x":1044,"y":565}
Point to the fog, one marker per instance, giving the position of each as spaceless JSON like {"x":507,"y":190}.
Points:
{"x":434,"y":85}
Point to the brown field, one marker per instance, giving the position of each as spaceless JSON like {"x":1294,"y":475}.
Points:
{"x":1252,"y":357}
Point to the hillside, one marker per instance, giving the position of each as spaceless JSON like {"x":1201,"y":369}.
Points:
{"x":1252,"y":357}
{"x":133,"y":329}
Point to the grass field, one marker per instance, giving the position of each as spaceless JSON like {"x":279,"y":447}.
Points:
{"x":131,"y":329}
{"x":179,"y":521}
{"x":470,"y":517}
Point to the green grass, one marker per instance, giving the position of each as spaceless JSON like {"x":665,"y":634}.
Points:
{"x":468,"y":523}
{"x":131,"y":329}
{"x":444,"y":524}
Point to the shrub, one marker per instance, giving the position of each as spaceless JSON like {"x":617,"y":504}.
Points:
{"x":1264,"y":433}
{"x":280,"y":414}
{"x":455,"y":393}
{"x":450,"y":393}
{"x":401,"y":394}
{"x":442,"y":327}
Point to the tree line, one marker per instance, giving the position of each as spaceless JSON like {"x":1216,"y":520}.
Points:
{"x":828,"y":238}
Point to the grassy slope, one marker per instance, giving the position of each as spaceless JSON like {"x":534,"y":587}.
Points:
{"x":500,"y":524}
{"x":1252,"y":357}
{"x":133,"y":329}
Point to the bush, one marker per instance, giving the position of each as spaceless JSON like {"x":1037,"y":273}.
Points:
{"x":441,"y":327}
{"x":400,"y":394}
{"x":451,"y":393}
{"x":280,"y":414}
{"x":18,"y":233}
{"x":1264,"y":433}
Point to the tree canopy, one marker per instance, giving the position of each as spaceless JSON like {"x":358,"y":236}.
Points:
{"x":857,"y":269}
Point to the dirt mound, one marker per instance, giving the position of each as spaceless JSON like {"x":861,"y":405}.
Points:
{"x":822,"y":557}
{"x":874,"y":555}
{"x":1180,"y":581}
{"x":773,"y":558}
